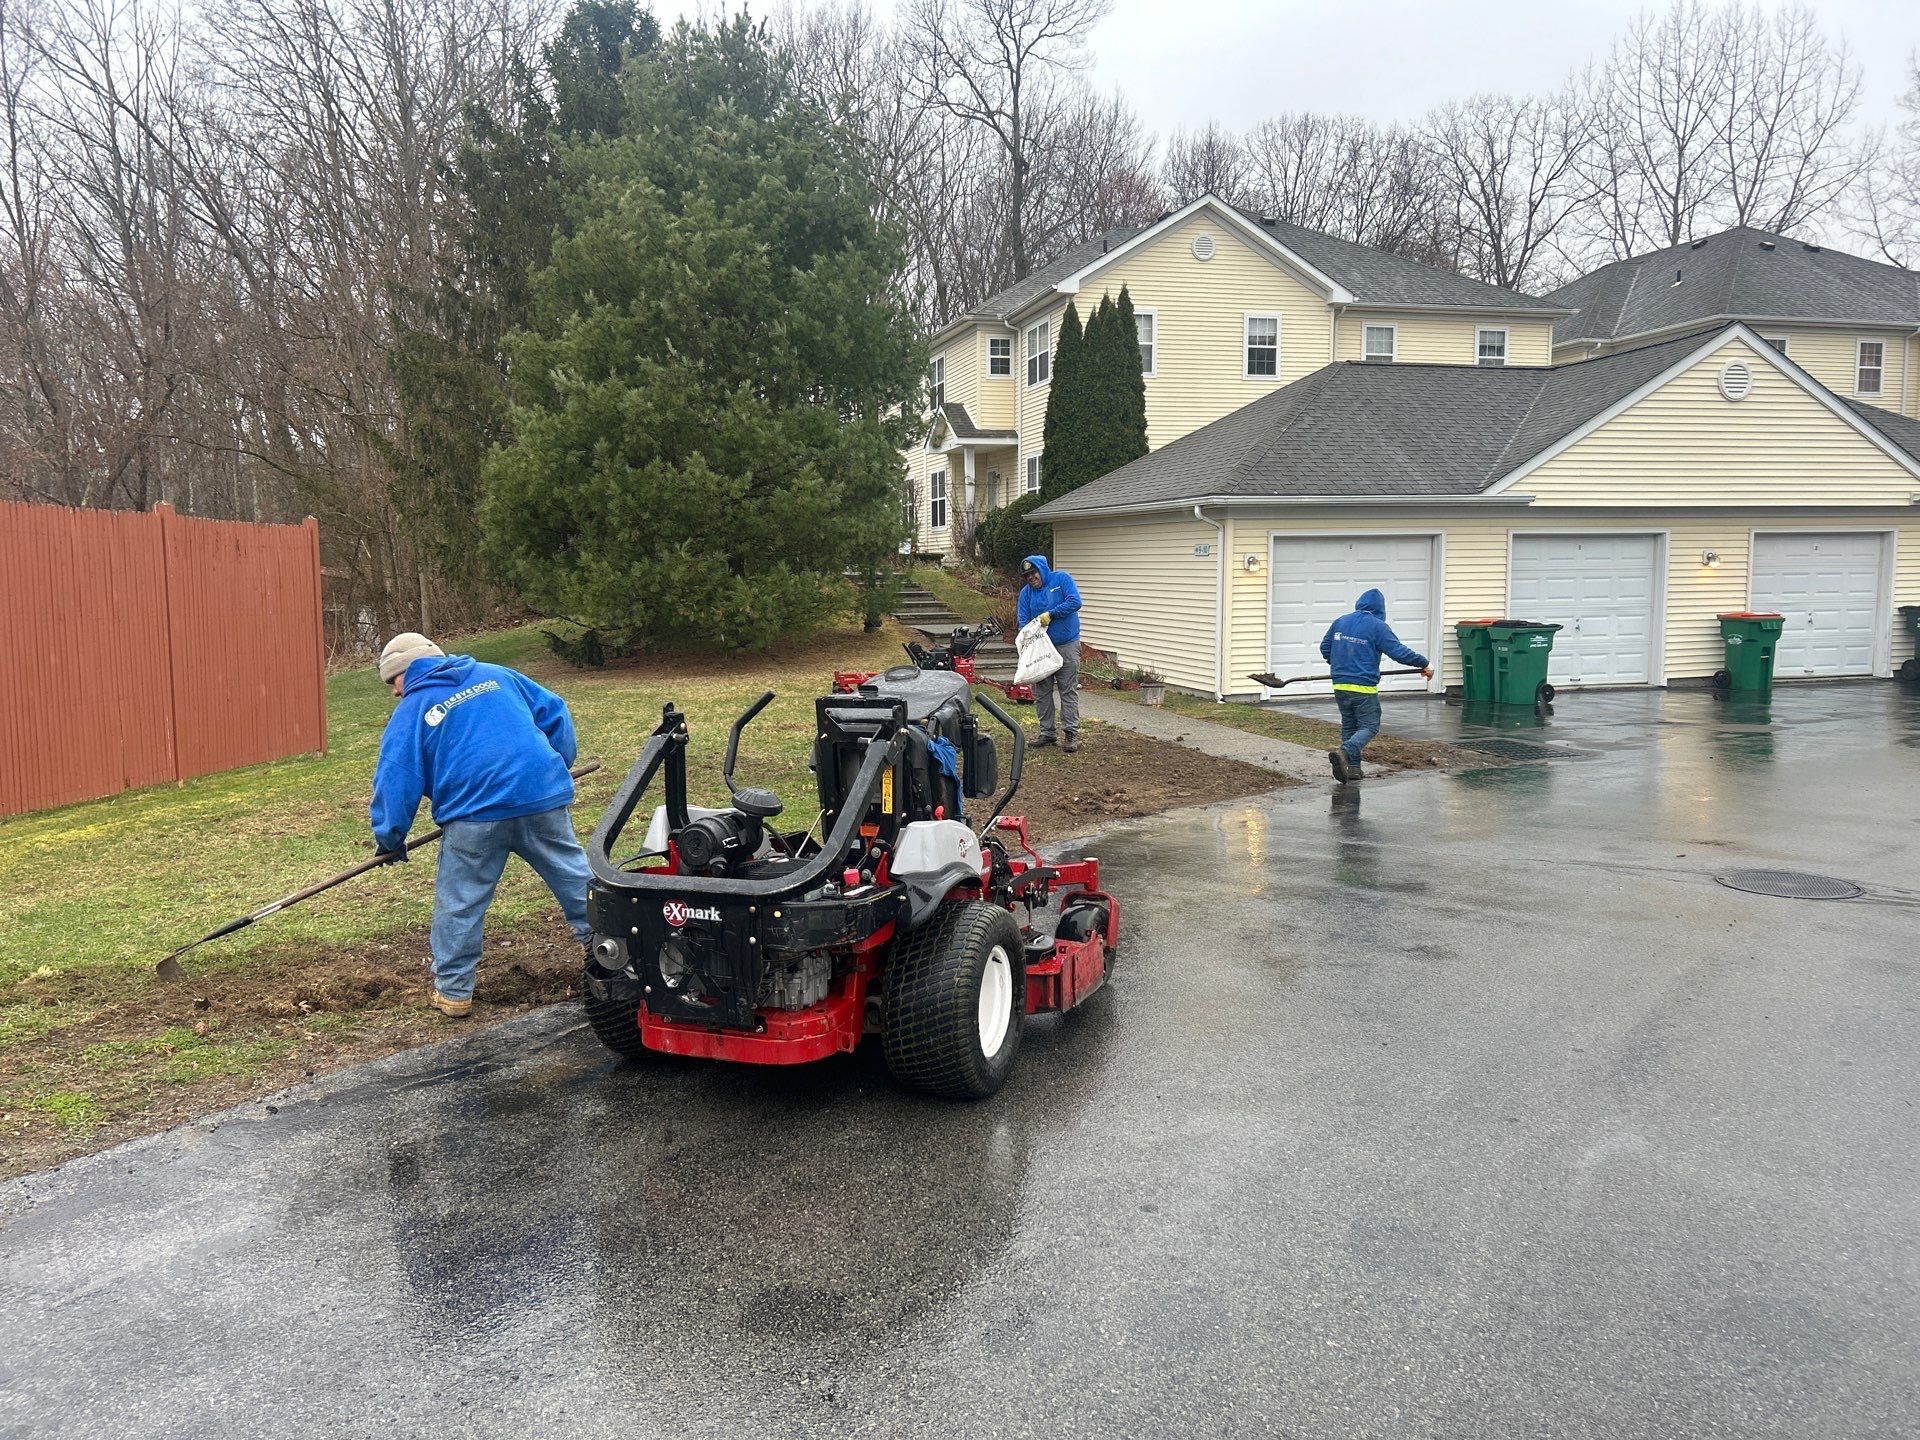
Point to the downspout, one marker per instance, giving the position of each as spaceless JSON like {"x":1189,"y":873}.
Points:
{"x":1219,"y":606}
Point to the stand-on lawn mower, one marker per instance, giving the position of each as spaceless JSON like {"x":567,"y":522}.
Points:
{"x":955,"y":655}
{"x":728,"y":939}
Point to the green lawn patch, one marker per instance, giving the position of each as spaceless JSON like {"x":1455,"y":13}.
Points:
{"x":970,"y":604}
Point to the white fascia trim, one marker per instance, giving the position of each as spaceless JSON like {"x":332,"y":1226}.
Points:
{"x":1333,"y":290}
{"x":937,"y":340}
{"x":1506,"y":312}
{"x":1785,"y":364}
{"x":1264,"y":502}
{"x":1631,"y":340}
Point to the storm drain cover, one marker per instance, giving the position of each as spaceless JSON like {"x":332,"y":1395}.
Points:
{"x":1518,"y":749}
{"x":1790,"y":884}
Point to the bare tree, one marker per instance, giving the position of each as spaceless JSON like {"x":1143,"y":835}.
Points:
{"x":1885,"y":206}
{"x":1512,"y":166}
{"x":998,"y":64}
{"x":1206,"y":162}
{"x":1785,"y":148}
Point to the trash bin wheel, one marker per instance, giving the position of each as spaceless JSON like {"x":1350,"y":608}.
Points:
{"x":1722,"y":683}
{"x":1910,"y":671}
{"x":1544,"y":694}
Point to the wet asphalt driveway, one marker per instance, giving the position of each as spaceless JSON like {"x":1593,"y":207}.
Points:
{"x":1471,"y":1107}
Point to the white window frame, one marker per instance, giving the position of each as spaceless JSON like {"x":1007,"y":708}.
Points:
{"x":1039,"y":357}
{"x":937,"y":382}
{"x":1030,"y":482}
{"x":1152,"y":317}
{"x":1860,"y":367}
{"x":1246,"y":343}
{"x":1393,"y":332}
{"x":937,"y":498}
{"x":1778,"y":342}
{"x":1006,"y":340}
{"x":1506,"y":341}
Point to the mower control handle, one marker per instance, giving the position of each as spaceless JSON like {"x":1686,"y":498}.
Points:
{"x":733,"y":738}
{"x":1019,"y":755}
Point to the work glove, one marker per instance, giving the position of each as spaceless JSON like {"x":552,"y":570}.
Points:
{"x":393,"y":857}
{"x":1046,"y":618}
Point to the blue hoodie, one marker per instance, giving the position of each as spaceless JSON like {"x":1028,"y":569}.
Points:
{"x":1057,"y":596}
{"x":481,"y":741}
{"x":1354,"y":644}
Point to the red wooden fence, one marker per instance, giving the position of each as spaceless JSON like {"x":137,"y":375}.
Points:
{"x":137,"y":648}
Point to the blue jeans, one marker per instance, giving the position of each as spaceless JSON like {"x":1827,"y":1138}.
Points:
{"x":472,"y":855}
{"x":1359,"y":721}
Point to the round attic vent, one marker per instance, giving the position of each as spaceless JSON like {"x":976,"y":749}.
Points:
{"x":1203,"y":247}
{"x":1736,"y":381}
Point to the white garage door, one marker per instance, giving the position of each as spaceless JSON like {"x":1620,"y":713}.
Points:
{"x":1601,"y":588}
{"x":1828,"y":587}
{"x":1317,"y":579}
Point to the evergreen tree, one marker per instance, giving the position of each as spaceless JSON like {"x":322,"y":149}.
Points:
{"x":1061,"y":432}
{"x":702,"y":441}
{"x":1130,"y":377}
{"x":450,"y":361}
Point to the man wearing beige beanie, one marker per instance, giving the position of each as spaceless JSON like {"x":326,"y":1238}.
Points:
{"x":491,"y":750}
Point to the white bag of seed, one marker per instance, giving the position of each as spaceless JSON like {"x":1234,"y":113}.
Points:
{"x":1038,"y":658}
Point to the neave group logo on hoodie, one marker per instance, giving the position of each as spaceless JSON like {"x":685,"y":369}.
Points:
{"x":436,"y":713}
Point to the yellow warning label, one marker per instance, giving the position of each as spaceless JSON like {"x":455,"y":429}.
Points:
{"x":886,"y":791}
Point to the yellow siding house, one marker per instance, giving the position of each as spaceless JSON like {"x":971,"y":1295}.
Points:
{"x":1631,"y":498}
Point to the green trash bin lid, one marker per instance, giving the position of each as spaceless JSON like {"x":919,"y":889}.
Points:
{"x":1750,"y":615}
{"x":1504,"y":624}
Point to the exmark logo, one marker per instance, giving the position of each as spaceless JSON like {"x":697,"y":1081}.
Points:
{"x":678,"y":912}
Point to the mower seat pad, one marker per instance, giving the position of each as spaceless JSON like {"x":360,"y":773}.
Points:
{"x":924,"y":692}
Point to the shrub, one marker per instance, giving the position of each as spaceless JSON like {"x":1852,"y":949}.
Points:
{"x":1007,"y":537}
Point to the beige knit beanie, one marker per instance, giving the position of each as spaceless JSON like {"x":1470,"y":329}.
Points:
{"x":401,"y":651}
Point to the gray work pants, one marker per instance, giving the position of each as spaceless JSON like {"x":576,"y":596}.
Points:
{"x":1067,"y":680}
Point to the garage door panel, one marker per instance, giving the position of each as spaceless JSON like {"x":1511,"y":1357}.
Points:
{"x":1316,"y":579}
{"x":1601,"y":589}
{"x":1827,"y":585}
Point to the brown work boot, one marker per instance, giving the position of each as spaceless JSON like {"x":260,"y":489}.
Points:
{"x":452,"y":1009}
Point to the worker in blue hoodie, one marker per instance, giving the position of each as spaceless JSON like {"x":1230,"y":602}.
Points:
{"x":1052,"y":596}
{"x":492,"y":751}
{"x":1352,"y":649}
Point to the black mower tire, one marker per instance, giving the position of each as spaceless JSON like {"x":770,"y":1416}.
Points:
{"x":612,"y":1004}
{"x":930,"y":1025}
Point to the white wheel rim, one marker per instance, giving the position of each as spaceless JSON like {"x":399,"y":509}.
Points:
{"x":996,"y":1002}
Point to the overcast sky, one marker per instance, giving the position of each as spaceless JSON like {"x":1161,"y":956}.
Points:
{"x":1185,"y":62}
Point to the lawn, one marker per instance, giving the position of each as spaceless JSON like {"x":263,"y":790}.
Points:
{"x":95,"y":1048}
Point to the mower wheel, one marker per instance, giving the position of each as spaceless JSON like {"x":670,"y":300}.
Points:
{"x":956,"y":1004}
{"x":613,"y":1010}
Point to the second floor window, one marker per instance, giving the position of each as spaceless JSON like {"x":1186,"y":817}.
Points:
{"x":1263,"y":346}
{"x":1143,"y":322}
{"x":1376,"y":344}
{"x":1038,"y":354}
{"x":1872,"y":371}
{"x":1033,"y":474}
{"x":1490,"y":348}
{"x":937,"y":500}
{"x":937,"y":381}
{"x":1000,"y":356}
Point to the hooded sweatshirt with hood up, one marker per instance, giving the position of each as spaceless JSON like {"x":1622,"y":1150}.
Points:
{"x":1355,"y":642}
{"x":481,"y":741}
{"x":1057,"y":596}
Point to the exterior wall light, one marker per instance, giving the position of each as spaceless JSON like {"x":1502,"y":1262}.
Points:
{"x":1252,"y":562}
{"x":1710,"y":559}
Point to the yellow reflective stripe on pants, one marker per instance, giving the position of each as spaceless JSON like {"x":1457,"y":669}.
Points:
{"x":1360,"y":689}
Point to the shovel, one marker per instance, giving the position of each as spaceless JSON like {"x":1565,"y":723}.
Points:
{"x":1274,"y":682}
{"x":170,"y":969}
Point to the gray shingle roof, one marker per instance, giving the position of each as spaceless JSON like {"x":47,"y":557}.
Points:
{"x":1373,"y":276}
{"x":1741,"y":274}
{"x":1355,"y":430}
{"x":964,"y":428}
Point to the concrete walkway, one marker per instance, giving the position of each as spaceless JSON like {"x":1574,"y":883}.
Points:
{"x":1207,"y":736}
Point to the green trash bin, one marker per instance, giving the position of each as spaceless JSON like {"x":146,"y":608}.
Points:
{"x":1751,"y":638}
{"x":1910,"y":668}
{"x":1505,"y":661}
